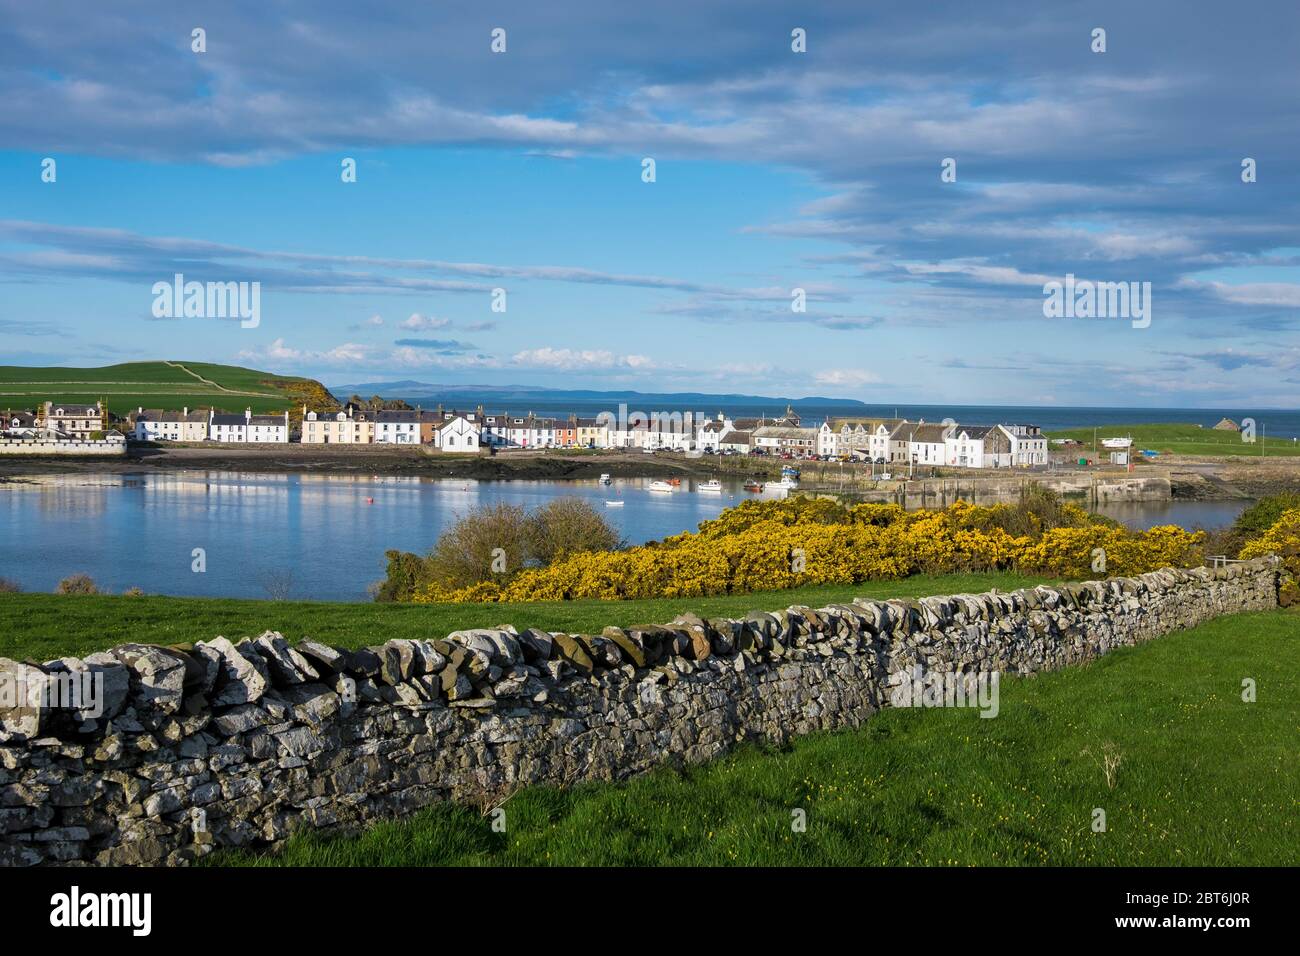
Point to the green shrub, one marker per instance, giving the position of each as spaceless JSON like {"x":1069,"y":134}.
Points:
{"x":568,"y":526}
{"x":491,"y":541}
{"x":1263,"y":514}
{"x":494,"y":543}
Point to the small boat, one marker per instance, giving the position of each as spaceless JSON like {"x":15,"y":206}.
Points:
{"x":675,"y":482}
{"x":711,"y":485}
{"x":752,"y":485}
{"x":789,"y":471}
{"x":604,"y":478}
{"x":661,"y":486}
{"x":613,"y":504}
{"x":788,"y":481}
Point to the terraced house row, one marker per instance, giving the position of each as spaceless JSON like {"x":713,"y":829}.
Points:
{"x":53,"y":420}
{"x":891,"y":441}
{"x":898,"y":441}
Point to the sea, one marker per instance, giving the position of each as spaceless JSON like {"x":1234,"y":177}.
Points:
{"x":1274,"y":423}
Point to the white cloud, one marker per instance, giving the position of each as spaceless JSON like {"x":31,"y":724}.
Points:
{"x":1277,"y":294}
{"x":580,"y":359}
{"x":845,"y":377}
{"x":424,"y":323}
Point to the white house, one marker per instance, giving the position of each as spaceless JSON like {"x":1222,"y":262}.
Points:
{"x":828,"y":440}
{"x":18,"y":424}
{"x":249,"y":428}
{"x":155,"y":424}
{"x":529,"y":431}
{"x":677,"y":431}
{"x":964,"y":448}
{"x":75,"y":421}
{"x":1028,"y":445}
{"x":878,"y":440}
{"x":708,"y":435}
{"x":919,"y":443}
{"x":458,"y":433}
{"x":495,"y":430}
{"x":847,"y":436}
{"x":397,"y":427}
{"x":628,"y":431}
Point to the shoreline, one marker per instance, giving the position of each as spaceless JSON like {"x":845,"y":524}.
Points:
{"x":386,"y":461}
{"x":1190,"y":478}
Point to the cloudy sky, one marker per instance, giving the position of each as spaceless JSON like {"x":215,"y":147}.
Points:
{"x":774,"y":171}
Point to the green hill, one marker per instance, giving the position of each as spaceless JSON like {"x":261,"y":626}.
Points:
{"x":160,"y":385}
{"x":1182,"y":438}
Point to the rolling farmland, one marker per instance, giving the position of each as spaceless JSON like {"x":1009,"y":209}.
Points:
{"x":163,"y":384}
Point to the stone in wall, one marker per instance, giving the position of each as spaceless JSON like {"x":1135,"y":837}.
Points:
{"x":242,"y":743}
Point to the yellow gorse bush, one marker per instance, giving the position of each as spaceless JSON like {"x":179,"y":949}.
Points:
{"x":775,"y":545}
{"x":1283,"y":539}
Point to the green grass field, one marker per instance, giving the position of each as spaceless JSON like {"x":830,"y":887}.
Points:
{"x":44,"y":626}
{"x":1183,"y":439}
{"x":153,"y":385}
{"x":1204,"y":779}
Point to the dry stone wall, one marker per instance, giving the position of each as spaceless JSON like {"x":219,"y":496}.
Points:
{"x":239,"y":744}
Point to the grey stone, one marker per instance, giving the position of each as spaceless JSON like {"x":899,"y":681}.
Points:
{"x":313,"y":704}
{"x":535,"y":644}
{"x":240,"y":719}
{"x":24,"y":698}
{"x":287,"y":666}
{"x":325,"y":659}
{"x":239,"y":680}
{"x":157,"y":676}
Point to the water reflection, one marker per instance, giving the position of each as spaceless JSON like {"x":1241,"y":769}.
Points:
{"x":327,"y":532}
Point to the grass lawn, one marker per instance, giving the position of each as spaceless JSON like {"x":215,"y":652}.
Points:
{"x":1184,"y":439}
{"x":1204,"y":779}
{"x":44,"y":626}
{"x":150,"y":384}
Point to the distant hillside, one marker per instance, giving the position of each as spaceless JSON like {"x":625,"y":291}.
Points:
{"x":428,"y":393}
{"x":160,"y":385}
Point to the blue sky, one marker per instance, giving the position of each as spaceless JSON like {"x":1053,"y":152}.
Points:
{"x":774,"y":171}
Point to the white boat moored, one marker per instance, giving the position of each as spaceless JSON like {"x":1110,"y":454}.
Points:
{"x":662,"y":486}
{"x":613,"y":504}
{"x":711,"y":485}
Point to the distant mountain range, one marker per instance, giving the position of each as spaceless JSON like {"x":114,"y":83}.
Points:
{"x":426,"y":393}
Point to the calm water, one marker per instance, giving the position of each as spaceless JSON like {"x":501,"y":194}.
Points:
{"x":1186,"y":514}
{"x":126,"y":530}
{"x":325,"y":534}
